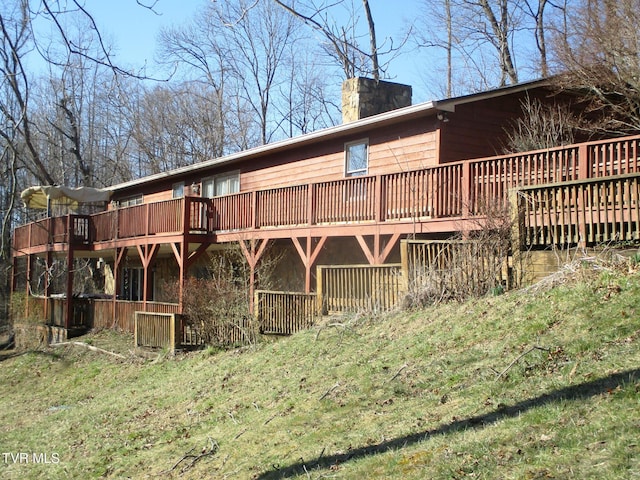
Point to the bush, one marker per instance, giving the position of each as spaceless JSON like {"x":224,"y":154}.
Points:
{"x":216,"y":302}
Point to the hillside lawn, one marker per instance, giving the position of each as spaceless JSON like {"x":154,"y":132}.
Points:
{"x":533,"y":384}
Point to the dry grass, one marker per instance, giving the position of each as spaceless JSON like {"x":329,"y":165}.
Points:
{"x":410,"y":395}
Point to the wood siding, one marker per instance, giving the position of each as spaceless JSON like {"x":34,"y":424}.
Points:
{"x":478,"y":129}
{"x":402,"y":147}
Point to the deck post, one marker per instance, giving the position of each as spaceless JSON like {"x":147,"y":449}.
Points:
{"x":404,"y":262}
{"x":47,"y":284}
{"x":147,"y":221}
{"x":466,"y":193}
{"x":69,"y":304}
{"x":179,"y":249}
{"x":580,"y":217}
{"x":378,"y":199}
{"x":516,"y":237}
{"x":584,"y":167}
{"x":254,"y":210}
{"x":119,"y":254}
{"x":28,"y":285}
{"x":319,"y":289}
{"x":311,"y":200}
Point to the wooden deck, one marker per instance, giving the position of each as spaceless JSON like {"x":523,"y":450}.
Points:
{"x":444,"y":198}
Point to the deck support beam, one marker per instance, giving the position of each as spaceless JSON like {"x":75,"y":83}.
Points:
{"x":69,"y":303}
{"x":252,"y":251}
{"x":119,"y":254}
{"x":377,"y":255}
{"x":147,"y":256}
{"x":47,"y":282}
{"x":179,"y":249}
{"x":195,"y":255}
{"x":308,"y":256}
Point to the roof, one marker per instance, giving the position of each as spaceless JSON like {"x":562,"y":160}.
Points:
{"x":365,"y":124}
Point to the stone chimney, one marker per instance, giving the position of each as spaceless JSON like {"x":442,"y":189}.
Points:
{"x":363,"y":97}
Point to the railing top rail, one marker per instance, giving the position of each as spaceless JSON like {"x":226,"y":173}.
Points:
{"x":438,"y":242}
{"x":142,"y":313}
{"x":570,"y":183}
{"x":386,"y":265}
{"x":572,"y":146}
{"x":278,"y":292}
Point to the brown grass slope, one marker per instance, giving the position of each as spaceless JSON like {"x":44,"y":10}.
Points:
{"x":539,"y":383}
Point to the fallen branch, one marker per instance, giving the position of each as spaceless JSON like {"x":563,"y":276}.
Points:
{"x":398,"y":372}
{"x":213,"y":449}
{"x":329,"y":391}
{"x":535,"y":347}
{"x":341,"y":325}
{"x":90,"y":347}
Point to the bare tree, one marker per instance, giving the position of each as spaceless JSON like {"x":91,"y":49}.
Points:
{"x":257,"y":37}
{"x":250,"y":55}
{"x":17,"y":129}
{"x":433,"y":35}
{"x":306,"y":90}
{"x":542,"y":125}
{"x":174,"y":126}
{"x":483,"y":39}
{"x":343,"y":40}
{"x":600,"y":55}
{"x":536,"y":10}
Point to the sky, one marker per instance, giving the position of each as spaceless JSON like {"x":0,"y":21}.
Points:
{"x":133,"y":30}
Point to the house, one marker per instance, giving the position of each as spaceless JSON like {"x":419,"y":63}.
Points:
{"x":343,"y":195}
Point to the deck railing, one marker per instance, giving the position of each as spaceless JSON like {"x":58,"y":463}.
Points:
{"x":157,"y":330}
{"x":456,"y":268}
{"x":459,"y":189}
{"x":232,"y":212}
{"x":359,"y":288}
{"x":284,"y":206}
{"x":284,"y":313}
{"x":586,"y":211}
{"x":434,"y":192}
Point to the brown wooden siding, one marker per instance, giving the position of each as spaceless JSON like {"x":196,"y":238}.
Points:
{"x":478,"y":129}
{"x":403,"y":147}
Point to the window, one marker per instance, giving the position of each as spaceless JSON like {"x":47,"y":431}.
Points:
{"x":178,"y":190}
{"x":132,"y":284}
{"x":219,"y":185}
{"x":356,"y":158}
{"x":130,"y":201}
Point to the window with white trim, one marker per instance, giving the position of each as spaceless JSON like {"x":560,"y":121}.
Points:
{"x":219,"y":185}
{"x":356,"y":158}
{"x":178,"y":190}
{"x":130,"y":201}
